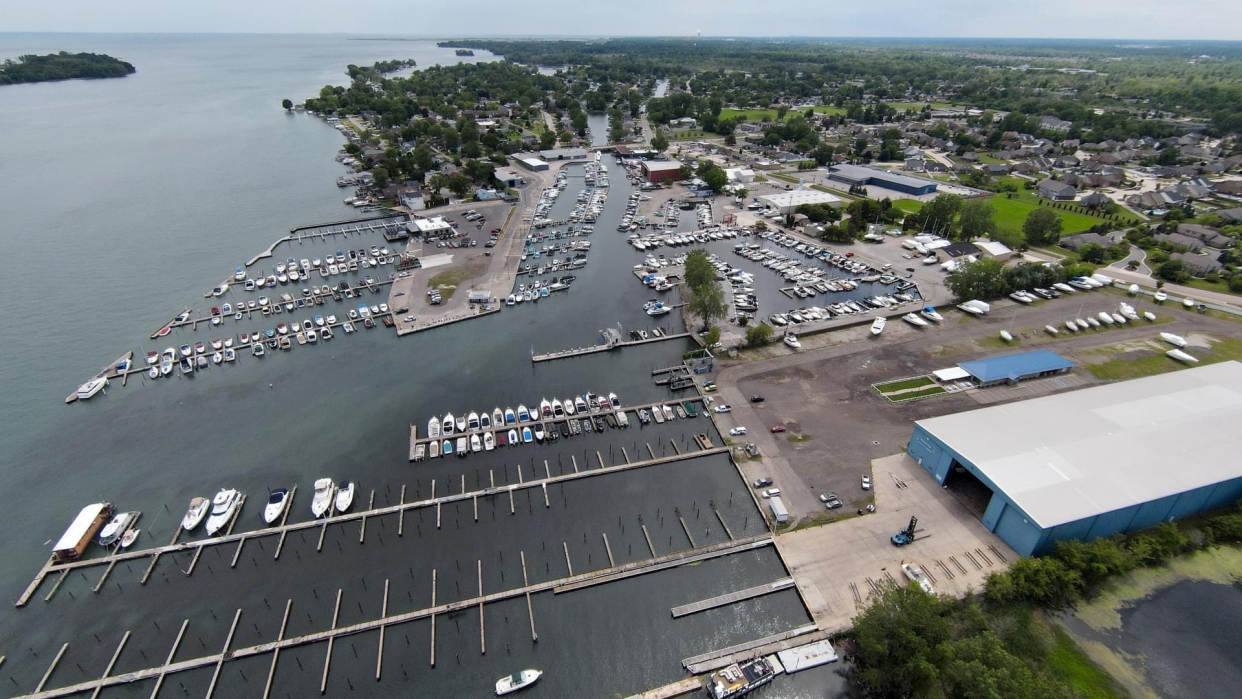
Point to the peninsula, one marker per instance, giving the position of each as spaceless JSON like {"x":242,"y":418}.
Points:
{"x":62,"y":66}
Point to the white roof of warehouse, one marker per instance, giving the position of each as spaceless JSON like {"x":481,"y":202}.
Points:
{"x":798,"y":197}
{"x":1075,"y":455}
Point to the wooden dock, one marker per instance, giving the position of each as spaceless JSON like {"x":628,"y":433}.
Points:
{"x":732,"y":597}
{"x":716,"y":659}
{"x":198,"y":545}
{"x":595,"y":349}
{"x":674,"y":689}
{"x":329,"y":635}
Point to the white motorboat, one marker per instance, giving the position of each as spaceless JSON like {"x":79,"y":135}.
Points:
{"x":512,"y":438}
{"x":223,"y":506}
{"x":792,"y":340}
{"x":448,"y":424}
{"x":489,"y":441}
{"x":568,"y":405}
{"x":1071,"y":326}
{"x":1051,"y":330}
{"x":90,"y":388}
{"x":931,"y":314}
{"x":517,"y":681}
{"x":277,"y":503}
{"x":877,"y":326}
{"x":1175,"y":340}
{"x":461,"y":423}
{"x":1188,"y":302}
{"x":485,"y":421}
{"x":539,"y":433}
{"x":1182,"y":356}
{"x":510,"y":416}
{"x":545,"y":409}
{"x":1004,"y":335}
{"x":1119,"y":319}
{"x":345,"y":497}
{"x":129,"y":537}
{"x":462,"y":446}
{"x":1105,"y":318}
{"x":322,"y":500}
{"x":112,"y":532}
{"x":1094,"y":323}
{"x":558,"y":409}
{"x":498,"y":418}
{"x":472,"y":421}
{"x":196,"y":514}
{"x":476,"y":444}
{"x":614,"y":401}
{"x":433,"y":427}
{"x":523,"y":414}
{"x":433,"y":449}
{"x":580,"y":404}
{"x":1161,"y":296}
{"x":1149,"y":316}
{"x":915,"y":320}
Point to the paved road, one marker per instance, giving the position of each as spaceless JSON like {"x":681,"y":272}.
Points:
{"x":1136,"y":253}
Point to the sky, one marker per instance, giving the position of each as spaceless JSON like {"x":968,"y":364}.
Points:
{"x":1119,"y":19}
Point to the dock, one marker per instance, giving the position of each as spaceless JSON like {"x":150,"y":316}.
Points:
{"x":732,"y":597}
{"x":330,"y":635}
{"x":714,"y":660}
{"x":594,"y":349}
{"x":675,"y":689}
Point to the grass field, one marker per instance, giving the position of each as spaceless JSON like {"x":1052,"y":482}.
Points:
{"x":759,"y":114}
{"x":910,"y":206}
{"x":1122,"y":368}
{"x":1012,"y":213}
{"x":836,"y":192}
{"x":924,"y":393}
{"x":903,"y":384}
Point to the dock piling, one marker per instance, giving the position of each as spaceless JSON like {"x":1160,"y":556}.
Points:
{"x":51,"y":668}
{"x":224,"y":654}
{"x":379,"y":657}
{"x":433,"y":617}
{"x":327,"y":659}
{"x":271,"y":671}
{"x":159,"y":680}
{"x":111,"y":663}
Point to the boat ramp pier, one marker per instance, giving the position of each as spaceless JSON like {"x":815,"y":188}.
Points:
{"x":583,"y":351}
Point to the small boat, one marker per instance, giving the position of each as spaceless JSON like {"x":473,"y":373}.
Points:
{"x":448,"y":424}
{"x":614,"y":401}
{"x":1134,"y":289}
{"x":1175,"y":340}
{"x":1004,"y":335}
{"x":433,"y":449}
{"x":322,"y":499}
{"x":1094,"y":323}
{"x":485,"y":421}
{"x":1051,"y":330}
{"x":1149,"y":316}
{"x":217,"y":357}
{"x":568,"y":406}
{"x":345,"y":497}
{"x":516,"y":681}
{"x":153,"y":372}
{"x":510,"y":416}
{"x":877,"y":326}
{"x":461,"y":447}
{"x":230,"y":354}
{"x":472,"y":421}
{"x":512,"y":438}
{"x":476,"y":444}
{"x":447,"y":447}
{"x":498,"y":418}
{"x":527,"y":435}
{"x":461,"y":423}
{"x":915,"y":320}
{"x":92,"y":387}
{"x":258,"y":350}
{"x":1119,"y":319}
{"x":792,"y":340}
{"x":1188,"y":302}
{"x":112,"y":532}
{"x":1071,"y":326}
{"x":523,"y":414}
{"x":277,"y":503}
{"x":1182,"y":356}
{"x":129,"y":537}
{"x":1105,"y":318}
{"x":1161,"y":296}
{"x":223,"y":506}
{"x":489,"y":441}
{"x":539,"y":433}
{"x":433,"y":427}
{"x":545,"y":408}
{"x":580,"y":404}
{"x":558,"y":409}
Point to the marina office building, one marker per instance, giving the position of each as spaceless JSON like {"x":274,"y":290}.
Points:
{"x":1094,"y":462}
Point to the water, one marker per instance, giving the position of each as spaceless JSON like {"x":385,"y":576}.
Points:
{"x":124,"y":200}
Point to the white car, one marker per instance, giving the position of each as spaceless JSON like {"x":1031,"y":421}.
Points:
{"x":723,"y":409}
{"x":771,"y":492}
{"x":737,"y":431}
{"x":866,"y":482}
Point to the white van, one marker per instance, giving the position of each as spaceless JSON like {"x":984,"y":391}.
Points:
{"x":778,"y":510}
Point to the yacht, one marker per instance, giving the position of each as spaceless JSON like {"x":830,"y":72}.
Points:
{"x":461,"y":447}
{"x":539,"y":433}
{"x":915,"y":320}
{"x":1006,"y":336}
{"x":112,"y":532}
{"x":877,"y":326}
{"x":345,"y":497}
{"x":223,"y":506}
{"x":90,"y":388}
{"x":545,"y":409}
{"x":580,"y":405}
{"x":461,"y":423}
{"x":1175,"y":340}
{"x":568,"y":406}
{"x":322,"y":500}
{"x":277,"y":503}
{"x":558,"y":410}
{"x":792,"y":340}
{"x":239,"y":274}
{"x":517,"y":681}
{"x":613,"y":400}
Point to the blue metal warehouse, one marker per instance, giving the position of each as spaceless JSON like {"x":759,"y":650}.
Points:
{"x":1094,"y":462}
{"x":1012,"y":368}
{"x":860,"y":175}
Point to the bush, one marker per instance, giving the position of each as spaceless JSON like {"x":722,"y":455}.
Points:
{"x":759,"y":335}
{"x":1044,"y":581}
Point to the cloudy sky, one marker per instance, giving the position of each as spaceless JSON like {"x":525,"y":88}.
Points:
{"x":1128,"y":19}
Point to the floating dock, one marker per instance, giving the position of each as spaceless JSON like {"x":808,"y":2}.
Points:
{"x":714,"y":660}
{"x":732,"y":597}
{"x":583,"y":351}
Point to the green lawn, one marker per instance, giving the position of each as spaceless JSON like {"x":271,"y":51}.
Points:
{"x":902,"y":106}
{"x":1068,"y":663}
{"x":1218,"y":287}
{"x":1012,"y":213}
{"x":1132,"y":368}
{"x":837,"y":192}
{"x":787,"y":178}
{"x":759,"y":114}
{"x":903,"y":384}
{"x":933,"y":391}
{"x":910,"y":206}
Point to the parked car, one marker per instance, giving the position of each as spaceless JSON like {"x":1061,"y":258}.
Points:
{"x":752,"y":450}
{"x":776,"y":429}
{"x":756,"y":398}
{"x":762,"y":482}
{"x":737,"y":431}
{"x":771,"y":492}
{"x":830,"y":500}
{"x":866,"y":482}
{"x":723,"y":409}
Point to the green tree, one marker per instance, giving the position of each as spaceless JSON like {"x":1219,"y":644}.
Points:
{"x":1168,"y":156}
{"x":1173,"y":270}
{"x":758,"y":335}
{"x":979,"y":667}
{"x":287,"y":103}
{"x":730,"y":140}
{"x":976,"y":220}
{"x":716,"y":178}
{"x":983,"y":279}
{"x":459,"y":184}
{"x":712,"y":336}
{"x":380,"y":177}
{"x":939,"y":213}
{"x":707,"y":302}
{"x":567,"y":137}
{"x":1042,"y":226}
{"x":547,"y":139}
{"x":659,"y":142}
{"x":1012,"y":238}
{"x":1091,"y":252}
{"x":699,"y":271}
{"x":898,"y":636}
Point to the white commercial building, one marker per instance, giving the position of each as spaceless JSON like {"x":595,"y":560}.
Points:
{"x":434,"y":227}
{"x":740,"y":175}
{"x":787,"y":202}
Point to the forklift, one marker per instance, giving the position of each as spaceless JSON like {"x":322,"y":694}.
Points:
{"x":906,"y":536}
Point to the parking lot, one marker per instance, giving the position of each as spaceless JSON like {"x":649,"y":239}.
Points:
{"x":835,"y":567}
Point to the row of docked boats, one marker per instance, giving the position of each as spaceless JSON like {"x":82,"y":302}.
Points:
{"x":293,"y":271}
{"x":482,"y":432}
{"x":218,"y":512}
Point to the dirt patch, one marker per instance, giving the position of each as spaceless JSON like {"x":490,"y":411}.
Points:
{"x":451,"y":279}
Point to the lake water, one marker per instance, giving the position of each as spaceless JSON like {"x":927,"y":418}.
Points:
{"x":123,"y":201}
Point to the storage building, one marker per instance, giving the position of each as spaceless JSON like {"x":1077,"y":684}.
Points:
{"x":661,"y":170}
{"x":1094,"y":462}
{"x":787,"y":202}
{"x":531,"y":162}
{"x":860,"y":175}
{"x":1013,"y":368}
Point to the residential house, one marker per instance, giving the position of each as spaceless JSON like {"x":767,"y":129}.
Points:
{"x":1075,"y":242}
{"x":1057,"y":191}
{"x":1231,"y":215}
{"x":1198,"y":265}
{"x":1051,"y":123}
{"x":1207,"y":235}
{"x":1191,"y":243}
{"x":1096,"y":200}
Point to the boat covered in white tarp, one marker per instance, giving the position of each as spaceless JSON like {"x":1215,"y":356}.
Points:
{"x":1175,"y":340}
{"x":1182,"y":356}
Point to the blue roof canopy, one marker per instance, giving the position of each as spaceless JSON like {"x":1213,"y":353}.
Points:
{"x":1015,"y":366}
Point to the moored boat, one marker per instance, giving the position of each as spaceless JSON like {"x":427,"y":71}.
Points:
{"x":345,"y":496}
{"x":223,"y":506}
{"x":277,"y":503}
{"x":877,"y":325}
{"x":517,"y":681}
{"x":325,"y":489}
